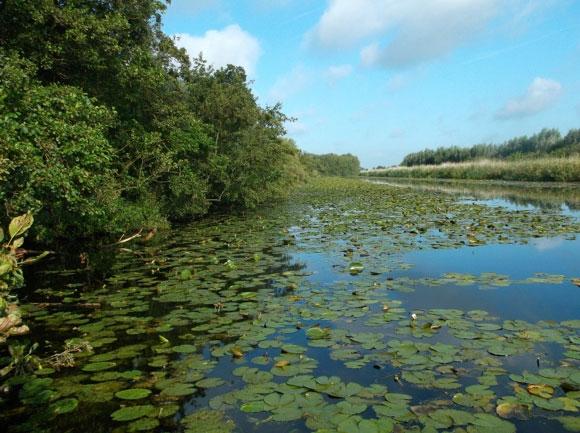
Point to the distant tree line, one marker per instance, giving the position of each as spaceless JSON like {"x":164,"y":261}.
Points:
{"x":331,"y":164}
{"x":106,"y":126}
{"x":548,"y":142}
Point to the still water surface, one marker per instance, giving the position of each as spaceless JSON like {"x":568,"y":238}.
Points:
{"x":219,"y":318}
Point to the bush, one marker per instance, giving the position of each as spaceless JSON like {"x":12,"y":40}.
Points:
{"x":60,"y":162}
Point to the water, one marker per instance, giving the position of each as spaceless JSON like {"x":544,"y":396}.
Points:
{"x":221,"y":316}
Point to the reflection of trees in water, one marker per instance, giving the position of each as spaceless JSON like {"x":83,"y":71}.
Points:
{"x":540,"y":196}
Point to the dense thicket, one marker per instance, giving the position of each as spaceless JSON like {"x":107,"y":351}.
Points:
{"x":106,"y":126}
{"x":548,"y":142}
{"x":331,"y":164}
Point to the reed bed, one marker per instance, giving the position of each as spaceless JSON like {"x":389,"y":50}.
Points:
{"x":530,"y":170}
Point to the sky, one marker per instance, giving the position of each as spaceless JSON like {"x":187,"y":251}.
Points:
{"x":383,"y":78}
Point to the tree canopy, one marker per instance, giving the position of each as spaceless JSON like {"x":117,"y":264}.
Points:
{"x":105,"y":125}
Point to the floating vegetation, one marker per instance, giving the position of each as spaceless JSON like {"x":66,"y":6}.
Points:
{"x":299,"y":318}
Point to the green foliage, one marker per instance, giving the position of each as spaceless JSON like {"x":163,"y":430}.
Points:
{"x":547,"y":142}
{"x":331,"y":164}
{"x":11,"y":278}
{"x":108,"y":127}
{"x":60,"y":162}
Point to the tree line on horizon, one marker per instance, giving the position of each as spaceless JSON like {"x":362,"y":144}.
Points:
{"x":546,"y":143}
{"x":106,"y":126}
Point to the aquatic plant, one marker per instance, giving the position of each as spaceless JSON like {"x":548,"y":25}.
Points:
{"x":300,"y":317}
{"x":533,"y":170}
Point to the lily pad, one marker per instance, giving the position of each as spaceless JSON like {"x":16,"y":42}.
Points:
{"x":131,"y":413}
{"x":133,"y":394}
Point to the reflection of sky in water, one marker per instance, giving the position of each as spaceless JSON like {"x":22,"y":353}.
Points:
{"x":511,"y":205}
{"x":561,"y":198}
{"x":531,"y":302}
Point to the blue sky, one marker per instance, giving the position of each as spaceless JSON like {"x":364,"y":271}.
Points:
{"x":382,"y":78}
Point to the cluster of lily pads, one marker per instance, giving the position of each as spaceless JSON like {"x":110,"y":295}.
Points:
{"x":221,"y":325}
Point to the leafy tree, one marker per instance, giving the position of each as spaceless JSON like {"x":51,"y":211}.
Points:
{"x":60,"y":162}
{"x":108,"y":126}
{"x":331,"y":164}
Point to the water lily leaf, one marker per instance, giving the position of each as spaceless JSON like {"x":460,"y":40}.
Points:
{"x":570,"y":423}
{"x":184,"y":348}
{"x":553,"y":404}
{"x":544,"y":391}
{"x":133,"y":394}
{"x":255,"y":406}
{"x":210,"y":382}
{"x":131,"y":413}
{"x":286,"y":413}
{"x":356,"y":268}
{"x":63,"y":406}
{"x":350,"y":408}
{"x":317,"y":333}
{"x":179,"y":390}
{"x":293,"y":348}
{"x":512,"y":410}
{"x":208,"y":421}
{"x":143,"y":424}
{"x":99,"y":366}
{"x":485,"y":423}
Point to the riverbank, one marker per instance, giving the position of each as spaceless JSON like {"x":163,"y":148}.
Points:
{"x":529,"y":170}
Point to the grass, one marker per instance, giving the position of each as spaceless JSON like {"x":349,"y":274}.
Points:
{"x":530,"y":170}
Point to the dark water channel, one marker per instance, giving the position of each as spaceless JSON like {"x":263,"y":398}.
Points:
{"x":351,"y":308}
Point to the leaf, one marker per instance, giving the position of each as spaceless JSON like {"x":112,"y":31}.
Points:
{"x":511,"y":410}
{"x":293,"y":348}
{"x":570,"y":423}
{"x":254,"y":407}
{"x":237,"y":352}
{"x":99,"y":366}
{"x":184,"y":348}
{"x":133,"y":394}
{"x":64,"y":406}
{"x":356,"y":268}
{"x":179,"y":390}
{"x":544,"y":391}
{"x":20,"y":224}
{"x":133,"y":412}
{"x":317,"y":333}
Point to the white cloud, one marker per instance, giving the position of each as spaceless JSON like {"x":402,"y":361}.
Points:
{"x":541,"y":95}
{"x":397,"y":82}
{"x":370,"y":54}
{"x":421,"y":30}
{"x":338,"y":72}
{"x":231,"y":45}
{"x":287,"y":85}
{"x":345,"y":22}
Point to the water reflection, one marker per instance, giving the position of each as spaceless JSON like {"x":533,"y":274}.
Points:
{"x":513,"y":195}
{"x":532,"y":302}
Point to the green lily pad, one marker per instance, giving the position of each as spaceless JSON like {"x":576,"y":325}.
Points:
{"x":133,"y":394}
{"x":132,"y":413}
{"x":99,"y":366}
{"x":63,"y":406}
